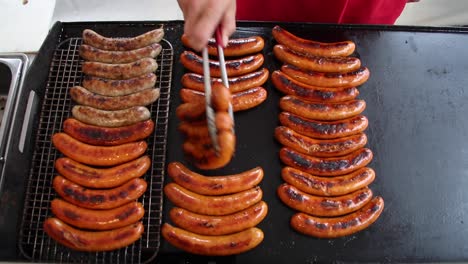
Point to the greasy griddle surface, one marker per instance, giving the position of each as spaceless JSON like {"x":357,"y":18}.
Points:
{"x":417,"y":100}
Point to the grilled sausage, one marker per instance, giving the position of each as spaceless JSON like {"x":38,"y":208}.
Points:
{"x":324,"y":129}
{"x":328,"y":186}
{"x":194,"y":130}
{"x":322,"y":111}
{"x":327,"y":79}
{"x":212,"y":245}
{"x":120,"y":71}
{"x":92,"y":241}
{"x":90,"y":53}
{"x":98,"y":155}
{"x":99,"y":177}
{"x":214,"y":185}
{"x":102,"y":198}
{"x":287,"y":85}
{"x":212,"y":205}
{"x":107,"y":136}
{"x":316,"y":63}
{"x":343,"y":48}
{"x":326,"y":166}
{"x":235,"y":47}
{"x":205,"y":157}
{"x":98,"y":41}
{"x":191,"y":111}
{"x":219,"y":225}
{"x":338,"y":226}
{"x":319,"y":147}
{"x":108,"y":87}
{"x":141,"y":98}
{"x":220,"y":97}
{"x":323,"y":206}
{"x":241,"y":101}
{"x":97,"y":219}
{"x":236,"y":84}
{"x":236,"y":67}
{"x":115,"y":118}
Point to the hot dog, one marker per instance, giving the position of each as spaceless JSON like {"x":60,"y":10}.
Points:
{"x":235,"y":46}
{"x":191,"y":111}
{"x":220,"y":97}
{"x":141,"y":98}
{"x":107,"y":136}
{"x":319,"y":147}
{"x":102,"y":198}
{"x":92,"y":240}
{"x":212,"y":205}
{"x":94,"y":54}
{"x":102,"y":178}
{"x":343,"y":48}
{"x":322,"y":111}
{"x":236,"y":84}
{"x":108,"y":87}
{"x":219,"y":225}
{"x":98,"y":41}
{"x":97,"y":219}
{"x":98,"y":155}
{"x":194,"y":130}
{"x":241,"y":101}
{"x":214,"y":185}
{"x":115,"y":118}
{"x":323,"y":206}
{"x":338,"y":226}
{"x":236,"y":67}
{"x":326,"y":166}
{"x":287,"y":85}
{"x":120,"y":71}
{"x":328,"y":186}
{"x":349,"y":79}
{"x":316,"y":63}
{"x":212,"y":245}
{"x":324,"y":129}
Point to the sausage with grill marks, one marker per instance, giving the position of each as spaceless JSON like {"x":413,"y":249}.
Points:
{"x":114,"y":118}
{"x":109,"y":87}
{"x":96,"y":40}
{"x":120,"y":71}
{"x":90,"y":53}
{"x":235,"y":46}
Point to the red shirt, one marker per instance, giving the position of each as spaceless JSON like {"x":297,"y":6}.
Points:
{"x":321,"y":11}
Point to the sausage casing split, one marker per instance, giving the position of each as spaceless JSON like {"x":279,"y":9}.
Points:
{"x":236,"y":84}
{"x":236,"y":67}
{"x":107,"y":136}
{"x":142,"y":98}
{"x":97,"y":219}
{"x":102,"y":198}
{"x":96,"y":40}
{"x":114,"y":118}
{"x":323,"y":206}
{"x":319,"y":147}
{"x":287,"y":85}
{"x":316,"y":63}
{"x":212,"y":205}
{"x":109,"y":87}
{"x":324,"y":79}
{"x":235,"y":46}
{"x":214,"y":185}
{"x":324,"y":129}
{"x":322,"y":111}
{"x":120,"y":71}
{"x":219,"y":225}
{"x":328,"y":186}
{"x":102,"y":178}
{"x":326,"y":166}
{"x":338,"y":226}
{"x":90,"y":53}
{"x":98,"y":155}
{"x":92,"y":241}
{"x":342,"y":48}
{"x":212,"y":245}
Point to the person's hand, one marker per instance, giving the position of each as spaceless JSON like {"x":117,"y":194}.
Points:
{"x":203,"y":16}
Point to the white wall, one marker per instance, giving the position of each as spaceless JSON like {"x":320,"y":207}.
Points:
{"x":435,"y":13}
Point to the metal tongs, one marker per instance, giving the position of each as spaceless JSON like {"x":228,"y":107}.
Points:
{"x":210,"y":115}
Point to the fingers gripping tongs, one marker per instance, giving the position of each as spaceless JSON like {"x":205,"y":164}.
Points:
{"x":210,"y":114}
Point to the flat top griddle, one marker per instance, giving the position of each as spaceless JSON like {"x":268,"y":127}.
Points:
{"x":416,"y":105}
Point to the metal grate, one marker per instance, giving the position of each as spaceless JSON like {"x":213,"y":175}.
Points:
{"x":65,"y":72}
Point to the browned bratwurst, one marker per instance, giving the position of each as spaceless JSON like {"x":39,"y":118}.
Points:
{"x":120,"y":71}
{"x":90,"y":53}
{"x":96,"y":40}
{"x":109,"y":87}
